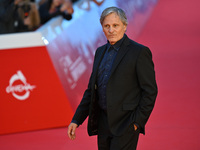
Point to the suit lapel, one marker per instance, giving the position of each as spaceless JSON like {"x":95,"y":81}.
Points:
{"x":121,"y":53}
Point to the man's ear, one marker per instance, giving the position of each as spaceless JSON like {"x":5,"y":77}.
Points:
{"x":125,"y":28}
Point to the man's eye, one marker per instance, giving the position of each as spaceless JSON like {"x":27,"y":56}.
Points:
{"x":115,"y":25}
{"x":106,"y":26}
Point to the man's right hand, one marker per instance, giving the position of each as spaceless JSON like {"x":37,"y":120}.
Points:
{"x":71,"y":130}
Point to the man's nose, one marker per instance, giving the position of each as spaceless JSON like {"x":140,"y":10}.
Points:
{"x":110,"y":29}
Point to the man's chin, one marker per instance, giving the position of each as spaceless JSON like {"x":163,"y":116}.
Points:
{"x":112,"y":42}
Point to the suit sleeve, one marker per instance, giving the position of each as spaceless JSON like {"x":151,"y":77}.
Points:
{"x":147,"y":83}
{"x":82,"y":110}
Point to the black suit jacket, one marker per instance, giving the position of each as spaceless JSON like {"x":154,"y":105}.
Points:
{"x":131,"y":90}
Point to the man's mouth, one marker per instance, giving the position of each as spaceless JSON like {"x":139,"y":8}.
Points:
{"x":111,"y":36}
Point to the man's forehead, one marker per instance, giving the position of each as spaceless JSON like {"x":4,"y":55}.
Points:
{"x":112,"y":17}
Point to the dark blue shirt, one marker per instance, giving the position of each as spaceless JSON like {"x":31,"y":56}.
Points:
{"x":104,"y":71}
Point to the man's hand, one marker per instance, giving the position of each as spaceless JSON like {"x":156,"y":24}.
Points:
{"x":16,"y":2}
{"x":67,"y":7}
{"x":71,"y":130}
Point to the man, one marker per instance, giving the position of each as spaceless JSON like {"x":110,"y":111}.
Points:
{"x":9,"y":20}
{"x":122,"y":89}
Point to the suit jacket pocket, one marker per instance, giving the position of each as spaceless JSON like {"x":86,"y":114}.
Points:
{"x":129,"y":106}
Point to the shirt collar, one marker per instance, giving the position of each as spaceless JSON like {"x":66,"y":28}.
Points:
{"x":117,"y":45}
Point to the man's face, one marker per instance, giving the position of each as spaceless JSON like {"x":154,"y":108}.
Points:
{"x":113,"y":28}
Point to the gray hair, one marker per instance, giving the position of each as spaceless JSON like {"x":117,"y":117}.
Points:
{"x":118,"y":11}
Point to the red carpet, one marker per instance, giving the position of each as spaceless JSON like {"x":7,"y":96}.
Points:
{"x":173,"y":35}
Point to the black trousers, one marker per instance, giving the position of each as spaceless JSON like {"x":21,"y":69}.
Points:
{"x":107,"y":141}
